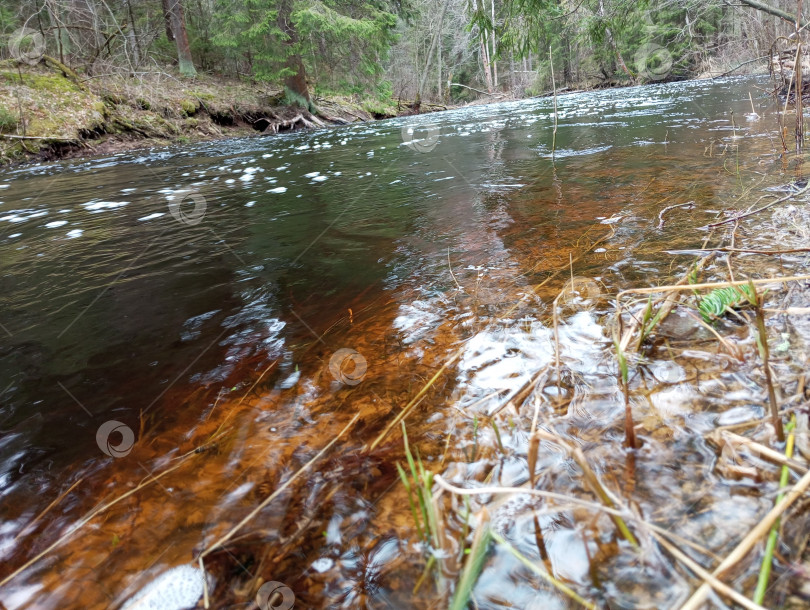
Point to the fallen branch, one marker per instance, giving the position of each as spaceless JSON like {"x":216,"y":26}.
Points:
{"x":263,"y":124}
{"x":738,"y":66}
{"x":478,"y":90}
{"x":57,"y":138}
{"x":67,"y":72}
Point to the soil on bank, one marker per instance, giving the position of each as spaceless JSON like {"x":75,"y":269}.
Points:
{"x":47,"y":112}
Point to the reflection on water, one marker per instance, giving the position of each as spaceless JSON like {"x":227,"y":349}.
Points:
{"x":197,"y":295}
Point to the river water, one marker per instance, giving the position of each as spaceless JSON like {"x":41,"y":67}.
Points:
{"x":216,"y":315}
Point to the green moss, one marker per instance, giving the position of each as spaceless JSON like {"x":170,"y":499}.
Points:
{"x":143,"y":104}
{"x":203,"y":96}
{"x":53,"y":83}
{"x":378,"y":108}
{"x":189,"y":107}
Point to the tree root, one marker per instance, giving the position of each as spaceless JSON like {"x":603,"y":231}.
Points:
{"x":302,"y":119}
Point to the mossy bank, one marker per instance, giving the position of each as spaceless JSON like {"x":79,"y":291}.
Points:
{"x":48,"y":112}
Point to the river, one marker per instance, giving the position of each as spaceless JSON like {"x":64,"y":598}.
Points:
{"x":182,"y":329}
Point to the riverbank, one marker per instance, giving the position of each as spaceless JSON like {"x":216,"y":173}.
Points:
{"x":47,"y":112}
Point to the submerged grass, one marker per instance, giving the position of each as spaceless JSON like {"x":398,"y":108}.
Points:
{"x":419,"y":486}
{"x":474,"y":564}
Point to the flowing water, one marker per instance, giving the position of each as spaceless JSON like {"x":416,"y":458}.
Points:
{"x":184,"y":329}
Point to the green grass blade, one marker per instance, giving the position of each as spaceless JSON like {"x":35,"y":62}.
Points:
{"x":773,"y":536}
{"x":472,"y":567}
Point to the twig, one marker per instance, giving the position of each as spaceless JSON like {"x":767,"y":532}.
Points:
{"x":453,"y":275}
{"x":738,"y":250}
{"x":554,"y":85}
{"x":730,"y":348}
{"x":688,"y":204}
{"x":462,"y":491}
{"x":414,"y":401}
{"x":49,"y":507}
{"x":760,"y":209}
{"x":592,"y":481}
{"x":478,"y":90}
{"x":710,"y":285}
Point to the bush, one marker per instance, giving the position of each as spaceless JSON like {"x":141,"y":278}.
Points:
{"x":8,"y":121}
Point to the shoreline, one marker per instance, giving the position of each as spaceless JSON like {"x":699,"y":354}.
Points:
{"x":50,"y":115}
{"x":69,"y":120}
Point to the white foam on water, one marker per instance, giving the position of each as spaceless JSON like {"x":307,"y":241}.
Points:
{"x":179,"y":588}
{"x":98,"y":206}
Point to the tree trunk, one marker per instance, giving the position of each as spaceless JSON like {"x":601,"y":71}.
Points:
{"x":167,"y":18}
{"x":176,"y":30}
{"x":296,"y":78}
{"x":485,"y":59}
{"x":432,"y":48}
{"x":439,"y":73}
{"x":494,"y":51}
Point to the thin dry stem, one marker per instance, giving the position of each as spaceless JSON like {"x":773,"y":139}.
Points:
{"x":211,"y":548}
{"x":764,"y":451}
{"x":84,"y":521}
{"x":706,"y":576}
{"x":754,"y":536}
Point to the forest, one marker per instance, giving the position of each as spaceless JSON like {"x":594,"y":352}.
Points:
{"x":444,"y":51}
